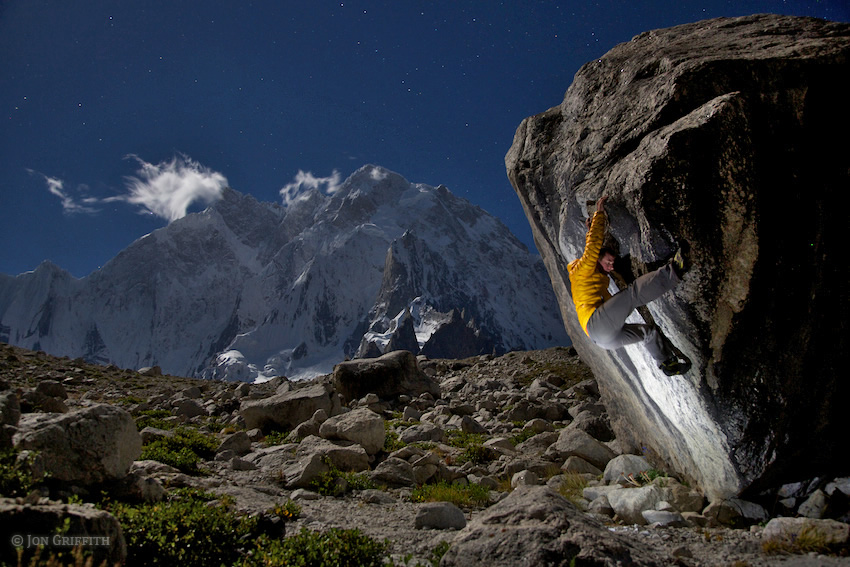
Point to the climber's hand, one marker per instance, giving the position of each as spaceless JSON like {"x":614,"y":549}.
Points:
{"x":600,"y":204}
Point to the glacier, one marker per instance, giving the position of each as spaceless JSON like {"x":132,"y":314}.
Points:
{"x":247,"y":290}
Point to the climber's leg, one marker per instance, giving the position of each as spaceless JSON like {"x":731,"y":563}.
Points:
{"x":607,"y":321}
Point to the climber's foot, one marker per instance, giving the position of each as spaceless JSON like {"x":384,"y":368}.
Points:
{"x":675,"y":367}
{"x":679,"y":261}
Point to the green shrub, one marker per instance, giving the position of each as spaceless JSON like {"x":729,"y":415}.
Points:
{"x":183,"y":450}
{"x":522,"y":436}
{"x":462,"y":439}
{"x":392,"y":441}
{"x":186,"y":530}
{"x":333,"y":548}
{"x":289,"y":510}
{"x":154,"y":418}
{"x":15,"y":477}
{"x":463,"y":495}
{"x":477,"y":454}
{"x":336,"y":482}
{"x":276,"y":438}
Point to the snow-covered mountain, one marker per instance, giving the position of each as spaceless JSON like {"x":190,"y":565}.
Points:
{"x":247,"y":290}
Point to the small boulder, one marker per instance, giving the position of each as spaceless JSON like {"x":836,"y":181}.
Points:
{"x":576,"y":442}
{"x":394,"y":472}
{"x":621,"y":467}
{"x":439,"y":516}
{"x":362,"y":426}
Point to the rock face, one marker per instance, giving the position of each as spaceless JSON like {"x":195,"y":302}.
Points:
{"x":723,"y":135}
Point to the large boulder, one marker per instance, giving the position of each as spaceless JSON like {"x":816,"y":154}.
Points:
{"x":388,"y":377}
{"x":287,"y":409}
{"x":87,"y":446}
{"x":724,"y":136}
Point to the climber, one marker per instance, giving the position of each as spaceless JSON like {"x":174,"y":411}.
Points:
{"x":603,"y":316}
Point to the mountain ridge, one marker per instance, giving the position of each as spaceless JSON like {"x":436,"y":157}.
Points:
{"x":247,"y":290}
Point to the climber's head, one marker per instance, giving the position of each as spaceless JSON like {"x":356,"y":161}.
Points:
{"x":606,"y":259}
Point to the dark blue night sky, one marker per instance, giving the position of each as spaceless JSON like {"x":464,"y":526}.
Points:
{"x":117,"y":116}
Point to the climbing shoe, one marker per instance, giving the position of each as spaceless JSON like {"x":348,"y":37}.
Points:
{"x":679,"y":262}
{"x":675,"y":367}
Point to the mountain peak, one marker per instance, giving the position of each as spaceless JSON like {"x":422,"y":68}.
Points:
{"x":248,"y":290}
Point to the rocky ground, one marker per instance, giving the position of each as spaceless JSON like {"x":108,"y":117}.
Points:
{"x":535,"y":433}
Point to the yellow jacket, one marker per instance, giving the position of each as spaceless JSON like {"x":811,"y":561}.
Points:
{"x":589,"y":285}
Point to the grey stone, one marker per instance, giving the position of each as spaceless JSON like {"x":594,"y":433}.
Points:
{"x":629,"y":503}
{"x":303,"y":472}
{"x":536,"y":526}
{"x":469,"y":425}
{"x":422,"y":432}
{"x":664,"y":519}
{"x":814,"y":506}
{"x":620,"y":467}
{"x":345,"y":456}
{"x":189,"y":408}
{"x":575,"y":442}
{"x":394,"y":472}
{"x":439,"y":516}
{"x":735,"y":513}
{"x":525,"y":478}
{"x":578,"y":465}
{"x":238,"y":442}
{"x":51,"y":388}
{"x":361,"y":426}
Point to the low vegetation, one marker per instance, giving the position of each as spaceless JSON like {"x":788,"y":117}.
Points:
{"x":15,"y":477}
{"x":183,"y":450}
{"x":190,"y":528}
{"x":462,"y":495}
{"x":332,"y":548}
{"x":335,"y":482}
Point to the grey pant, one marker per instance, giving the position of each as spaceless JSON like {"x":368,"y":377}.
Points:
{"x":607,"y":326}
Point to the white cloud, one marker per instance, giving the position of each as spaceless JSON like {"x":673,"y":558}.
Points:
{"x":169,"y":188}
{"x":305,"y":183}
{"x":70,"y":204}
